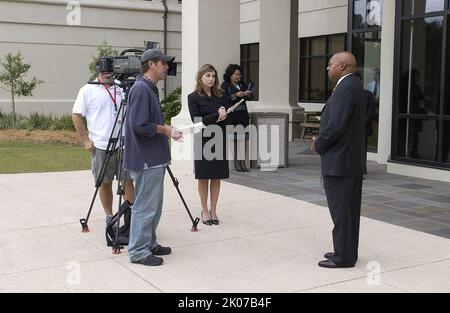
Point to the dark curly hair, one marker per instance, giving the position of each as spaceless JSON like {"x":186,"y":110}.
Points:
{"x":230,"y":71}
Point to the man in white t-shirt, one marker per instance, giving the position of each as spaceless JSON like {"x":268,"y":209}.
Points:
{"x":99,"y":104}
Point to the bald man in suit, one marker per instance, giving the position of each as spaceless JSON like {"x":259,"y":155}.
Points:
{"x":341,"y":145}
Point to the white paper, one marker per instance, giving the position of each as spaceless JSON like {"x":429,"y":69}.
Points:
{"x":192,"y":129}
{"x":231,"y":109}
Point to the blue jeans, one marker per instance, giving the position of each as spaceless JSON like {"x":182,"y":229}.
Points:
{"x":146,"y":211}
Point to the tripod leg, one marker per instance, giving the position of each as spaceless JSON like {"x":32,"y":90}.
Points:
{"x":120,"y":192}
{"x":98,"y":183}
{"x":121,"y":178}
{"x":176,"y":183}
{"x":84,"y":221}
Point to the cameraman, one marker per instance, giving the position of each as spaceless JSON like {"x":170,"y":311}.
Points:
{"x":146,"y":157}
{"x":99,"y":104}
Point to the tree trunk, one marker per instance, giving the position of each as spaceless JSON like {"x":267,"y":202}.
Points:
{"x":13,"y":105}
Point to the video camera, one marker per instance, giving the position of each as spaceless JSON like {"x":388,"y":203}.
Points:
{"x":127,"y":65}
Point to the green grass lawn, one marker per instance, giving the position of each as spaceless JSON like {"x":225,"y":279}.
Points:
{"x":36,"y":158}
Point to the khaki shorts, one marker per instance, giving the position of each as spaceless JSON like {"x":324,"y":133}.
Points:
{"x":112,"y":168}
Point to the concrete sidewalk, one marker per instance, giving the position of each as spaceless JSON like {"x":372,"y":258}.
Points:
{"x":266,"y":243}
{"x":414,"y":203}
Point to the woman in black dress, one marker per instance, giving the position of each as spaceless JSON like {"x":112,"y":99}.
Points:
{"x":236,"y":90}
{"x":208,"y":105}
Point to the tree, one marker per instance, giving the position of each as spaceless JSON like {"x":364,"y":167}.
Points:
{"x":103,"y":50}
{"x":13,"y":78}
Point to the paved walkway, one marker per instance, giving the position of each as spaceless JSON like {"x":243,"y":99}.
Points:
{"x":414,"y":203}
{"x":266,"y":242}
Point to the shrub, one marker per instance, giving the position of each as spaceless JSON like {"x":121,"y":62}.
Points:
{"x":36,"y":121}
{"x":171,"y":105}
{"x":7,"y":120}
{"x":63,"y":122}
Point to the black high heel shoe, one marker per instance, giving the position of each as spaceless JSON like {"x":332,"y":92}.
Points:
{"x":208,"y":221}
{"x":215,"y":221}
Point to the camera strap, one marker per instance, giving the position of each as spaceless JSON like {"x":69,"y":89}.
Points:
{"x":111,"y":96}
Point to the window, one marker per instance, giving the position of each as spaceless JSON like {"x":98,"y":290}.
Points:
{"x":315,"y":52}
{"x":365,"y":43}
{"x":250,"y":65}
{"x":421,"y":127}
{"x":365,"y":14}
{"x":420,"y":7}
{"x":420,"y":66}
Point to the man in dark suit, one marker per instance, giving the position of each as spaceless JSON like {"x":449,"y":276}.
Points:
{"x":341,"y":145}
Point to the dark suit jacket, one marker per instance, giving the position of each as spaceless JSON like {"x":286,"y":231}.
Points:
{"x":370,"y":100}
{"x":341,"y":140}
{"x":206,"y":108}
{"x":230,"y":91}
{"x":240,"y":115}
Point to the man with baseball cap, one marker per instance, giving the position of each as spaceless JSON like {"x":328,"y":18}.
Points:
{"x":156,"y":54}
{"x":146,"y":157}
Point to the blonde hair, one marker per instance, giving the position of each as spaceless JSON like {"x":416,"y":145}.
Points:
{"x":207,"y":68}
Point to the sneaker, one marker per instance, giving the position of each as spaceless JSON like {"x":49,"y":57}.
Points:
{"x":160,"y":250}
{"x":150,"y":260}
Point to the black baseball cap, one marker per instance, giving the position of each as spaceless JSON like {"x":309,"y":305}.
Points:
{"x":156,"y":54}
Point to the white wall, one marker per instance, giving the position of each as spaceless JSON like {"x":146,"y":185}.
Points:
{"x":322,"y":17}
{"x":60,"y":53}
{"x":386,"y":82}
{"x":250,"y":26}
{"x":316,"y":18}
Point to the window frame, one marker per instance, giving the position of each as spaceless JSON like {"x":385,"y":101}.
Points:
{"x":245,"y":64}
{"x":441,"y":118}
{"x":308,"y":57}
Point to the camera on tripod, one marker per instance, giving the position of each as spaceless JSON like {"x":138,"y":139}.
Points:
{"x":127,"y":65}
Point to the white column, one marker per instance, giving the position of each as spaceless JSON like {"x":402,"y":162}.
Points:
{"x":210,"y":34}
{"x":386,"y":82}
{"x":278,"y":59}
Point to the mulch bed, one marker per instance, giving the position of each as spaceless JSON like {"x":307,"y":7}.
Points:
{"x":40,"y":136}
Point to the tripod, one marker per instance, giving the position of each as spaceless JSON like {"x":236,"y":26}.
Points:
{"x":115,"y":145}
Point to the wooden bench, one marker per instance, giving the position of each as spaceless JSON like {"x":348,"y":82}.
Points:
{"x":310,"y":125}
